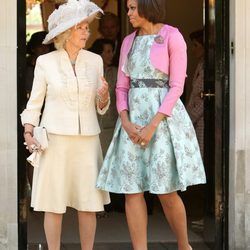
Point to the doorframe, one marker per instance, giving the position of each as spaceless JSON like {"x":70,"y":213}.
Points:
{"x":217,"y":39}
{"x":222,"y":73}
{"x":21,"y":153}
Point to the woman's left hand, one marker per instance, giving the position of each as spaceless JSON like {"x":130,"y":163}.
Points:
{"x":146,"y":135}
{"x":103,"y":91}
{"x":147,"y":132}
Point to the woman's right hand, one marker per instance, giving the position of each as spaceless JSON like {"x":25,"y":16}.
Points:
{"x":31,"y":143}
{"x":132,"y":131}
{"x":131,"y":128}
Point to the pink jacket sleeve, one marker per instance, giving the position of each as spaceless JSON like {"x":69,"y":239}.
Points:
{"x":123,"y":81}
{"x":177,"y":71}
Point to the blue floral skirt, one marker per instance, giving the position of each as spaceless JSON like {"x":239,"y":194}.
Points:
{"x":170,"y":162}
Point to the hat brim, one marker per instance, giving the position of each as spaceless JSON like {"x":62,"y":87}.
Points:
{"x":65,"y":26}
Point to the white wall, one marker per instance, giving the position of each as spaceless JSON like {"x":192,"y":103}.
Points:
{"x":239,"y":188}
{"x":8,"y":127}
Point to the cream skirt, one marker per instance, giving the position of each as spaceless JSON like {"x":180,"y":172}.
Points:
{"x":67,"y":174}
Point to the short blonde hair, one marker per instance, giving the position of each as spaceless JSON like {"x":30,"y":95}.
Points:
{"x":60,"y":40}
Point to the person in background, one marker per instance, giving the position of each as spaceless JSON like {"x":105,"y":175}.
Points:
{"x":195,"y":105}
{"x":34,"y":49}
{"x":109,"y":27}
{"x":105,"y":48}
{"x":70,"y":83}
{"x":154,"y":146}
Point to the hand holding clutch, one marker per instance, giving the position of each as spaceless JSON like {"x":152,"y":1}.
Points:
{"x":40,"y":134}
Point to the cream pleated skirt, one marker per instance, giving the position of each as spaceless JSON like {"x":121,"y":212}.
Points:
{"x":67,"y":174}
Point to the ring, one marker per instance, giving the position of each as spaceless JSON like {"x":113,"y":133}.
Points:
{"x":142,"y":143}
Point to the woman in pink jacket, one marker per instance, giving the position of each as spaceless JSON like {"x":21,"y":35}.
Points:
{"x":154,"y":147}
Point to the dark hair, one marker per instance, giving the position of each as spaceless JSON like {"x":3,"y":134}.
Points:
{"x":108,"y":15}
{"x":98,"y":45}
{"x":197,"y":35}
{"x":35,"y":41}
{"x":152,"y":10}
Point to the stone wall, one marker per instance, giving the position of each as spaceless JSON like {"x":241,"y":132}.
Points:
{"x":239,"y":186}
{"x":8,"y":127}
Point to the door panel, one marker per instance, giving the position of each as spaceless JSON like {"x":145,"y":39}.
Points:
{"x":216,"y":115}
{"x":21,"y":99}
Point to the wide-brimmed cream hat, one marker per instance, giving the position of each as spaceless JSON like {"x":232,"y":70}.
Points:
{"x":69,"y":15}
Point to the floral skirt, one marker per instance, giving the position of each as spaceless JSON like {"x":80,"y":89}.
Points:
{"x":170,"y":162}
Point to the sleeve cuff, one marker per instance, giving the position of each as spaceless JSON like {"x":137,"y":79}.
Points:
{"x":31,"y":117}
{"x":165,"y":112}
{"x":104,"y":109}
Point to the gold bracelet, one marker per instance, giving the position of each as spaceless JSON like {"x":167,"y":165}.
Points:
{"x":103,"y":102}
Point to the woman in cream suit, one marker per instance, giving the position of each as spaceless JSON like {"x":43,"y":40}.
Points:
{"x":69,"y":81}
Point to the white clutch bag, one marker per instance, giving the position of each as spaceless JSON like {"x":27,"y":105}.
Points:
{"x":40,"y":134}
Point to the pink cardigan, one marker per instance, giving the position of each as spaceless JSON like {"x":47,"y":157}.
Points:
{"x":169,"y":56}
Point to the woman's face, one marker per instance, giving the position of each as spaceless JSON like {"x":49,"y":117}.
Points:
{"x":79,"y":35}
{"x":107,"y":54}
{"x":134,"y":18}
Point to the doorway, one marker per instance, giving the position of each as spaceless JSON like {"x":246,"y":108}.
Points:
{"x":206,"y":204}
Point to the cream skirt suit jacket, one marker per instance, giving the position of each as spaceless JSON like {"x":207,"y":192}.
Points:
{"x":68,"y":168}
